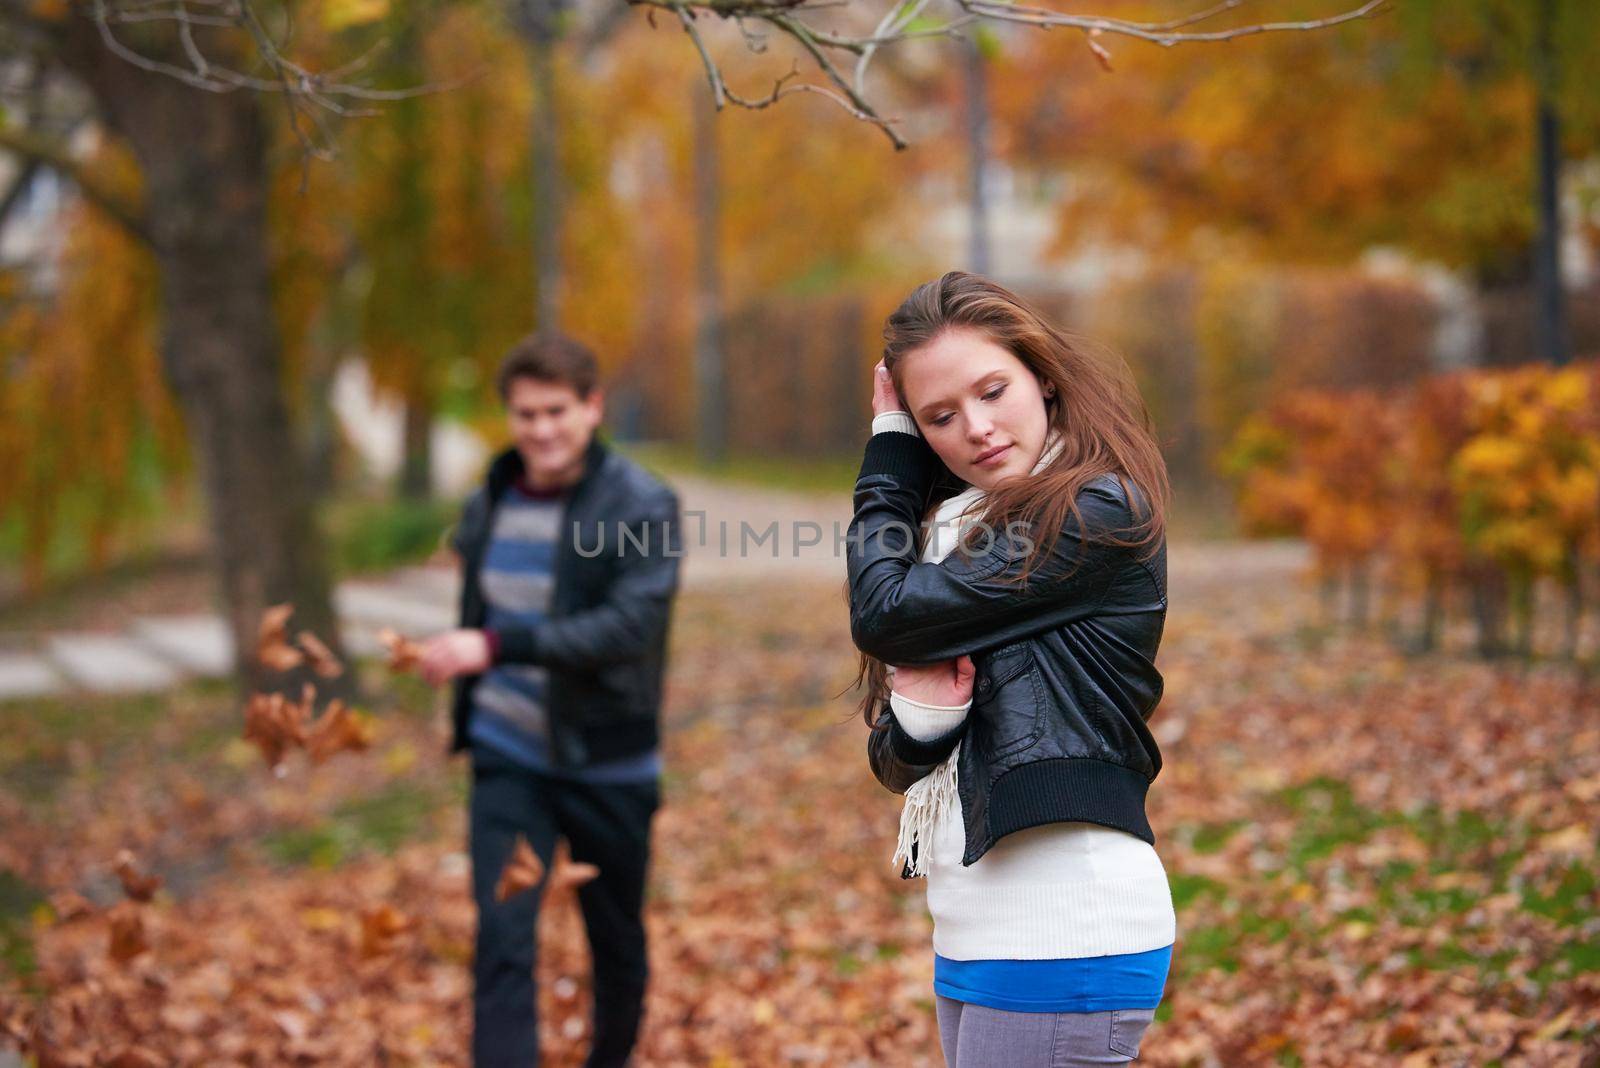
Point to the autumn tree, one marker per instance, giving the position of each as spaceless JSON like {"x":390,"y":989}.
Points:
{"x":1417,"y":131}
{"x":191,"y":91}
{"x":198,"y":129}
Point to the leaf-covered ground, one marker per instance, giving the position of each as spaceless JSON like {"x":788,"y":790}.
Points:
{"x":1376,"y":861}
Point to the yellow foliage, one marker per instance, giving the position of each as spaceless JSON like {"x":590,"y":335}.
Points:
{"x":1501,"y":466}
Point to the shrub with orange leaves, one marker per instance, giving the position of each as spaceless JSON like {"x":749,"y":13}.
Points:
{"x":1488,"y":480}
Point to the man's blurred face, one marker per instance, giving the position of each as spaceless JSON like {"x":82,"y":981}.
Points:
{"x":552,"y":427}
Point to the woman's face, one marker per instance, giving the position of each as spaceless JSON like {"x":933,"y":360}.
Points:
{"x":979,"y":406}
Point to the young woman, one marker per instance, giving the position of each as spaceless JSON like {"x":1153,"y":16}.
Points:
{"x":1022,"y":621}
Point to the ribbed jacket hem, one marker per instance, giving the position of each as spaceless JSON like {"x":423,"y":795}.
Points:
{"x":1080,"y":789}
{"x":905,"y":456}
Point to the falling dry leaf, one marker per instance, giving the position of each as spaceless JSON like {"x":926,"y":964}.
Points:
{"x":522,"y":871}
{"x":380,"y":927}
{"x":339,"y":729}
{"x":404,"y":654}
{"x":127,"y":932}
{"x":273,"y":650}
{"x":135,"y":884}
{"x":566,"y":875}
{"x":276,"y":724}
{"x":69,"y":905}
{"x":135,"y":1057}
{"x":321,"y":658}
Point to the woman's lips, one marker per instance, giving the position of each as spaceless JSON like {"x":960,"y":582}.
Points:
{"x":993,"y":456}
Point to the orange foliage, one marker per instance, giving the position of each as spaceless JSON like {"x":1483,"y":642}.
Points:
{"x":1497,"y":469}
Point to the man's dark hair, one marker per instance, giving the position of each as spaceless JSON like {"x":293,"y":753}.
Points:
{"x":549,"y":357}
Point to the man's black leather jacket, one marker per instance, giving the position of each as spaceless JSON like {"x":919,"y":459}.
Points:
{"x":1065,"y":666}
{"x":604,"y":640}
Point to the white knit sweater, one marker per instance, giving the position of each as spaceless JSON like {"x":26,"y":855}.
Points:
{"x":1046,"y":893}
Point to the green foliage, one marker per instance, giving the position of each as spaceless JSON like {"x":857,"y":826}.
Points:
{"x":373,"y":535}
{"x":380,"y":822}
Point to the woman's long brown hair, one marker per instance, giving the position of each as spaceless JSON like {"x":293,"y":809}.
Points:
{"x":1103,"y":425}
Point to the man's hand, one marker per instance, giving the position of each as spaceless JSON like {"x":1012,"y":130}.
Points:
{"x":948,"y":684}
{"x":453,"y":653}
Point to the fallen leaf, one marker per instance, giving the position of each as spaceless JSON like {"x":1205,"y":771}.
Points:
{"x":135,"y":1057}
{"x":273,"y":650}
{"x":380,"y":927}
{"x":321,"y":658}
{"x":339,"y":729}
{"x":404,"y":654}
{"x":69,"y":905}
{"x":1574,"y":840}
{"x":522,"y":871}
{"x":275,"y":724}
{"x":135,"y":884}
{"x":127,"y":932}
{"x":566,"y":875}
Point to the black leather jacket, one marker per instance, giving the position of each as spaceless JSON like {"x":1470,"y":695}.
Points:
{"x":604,"y":641}
{"x":1065,"y":666}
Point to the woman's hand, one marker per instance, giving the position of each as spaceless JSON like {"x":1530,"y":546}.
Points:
{"x":453,"y":653}
{"x":884,"y":398}
{"x":948,"y":684}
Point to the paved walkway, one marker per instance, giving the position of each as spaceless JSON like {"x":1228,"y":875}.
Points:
{"x":734,"y":537}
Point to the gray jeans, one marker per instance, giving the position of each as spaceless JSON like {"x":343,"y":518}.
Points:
{"x":975,"y":1036}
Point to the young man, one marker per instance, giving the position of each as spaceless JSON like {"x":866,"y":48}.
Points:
{"x":570,"y":564}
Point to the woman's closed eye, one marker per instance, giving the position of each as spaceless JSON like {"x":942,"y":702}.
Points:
{"x":991,"y":395}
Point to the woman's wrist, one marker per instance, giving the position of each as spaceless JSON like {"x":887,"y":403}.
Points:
{"x":923,"y":721}
{"x":900,"y":422}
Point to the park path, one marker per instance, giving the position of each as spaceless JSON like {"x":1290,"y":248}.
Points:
{"x":735,"y":536}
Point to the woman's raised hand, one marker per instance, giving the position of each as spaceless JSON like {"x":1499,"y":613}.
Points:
{"x":948,"y":683}
{"x":884,"y":398}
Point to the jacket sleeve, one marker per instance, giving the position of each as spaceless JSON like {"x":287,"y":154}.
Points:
{"x":633,"y":616}
{"x":903,"y":611}
{"x":470,"y":524}
{"x":898,"y":759}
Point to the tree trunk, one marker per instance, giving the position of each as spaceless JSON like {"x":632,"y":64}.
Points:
{"x":203,"y":158}
{"x":540,"y":31}
{"x":416,"y":460}
{"x":1432,"y":612}
{"x":977,"y":93}
{"x":1360,"y":588}
{"x":1550,"y":317}
{"x":710,"y":373}
{"x":1488,"y":588}
{"x":1572,"y":621}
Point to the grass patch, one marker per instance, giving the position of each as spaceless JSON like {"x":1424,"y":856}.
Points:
{"x":380,"y":822}
{"x":1570,"y":902}
{"x":1187,"y":889}
{"x":1329,"y":817}
{"x":1214,"y":946}
{"x":18,"y":900}
{"x":38,"y":735}
{"x":1213,"y":837}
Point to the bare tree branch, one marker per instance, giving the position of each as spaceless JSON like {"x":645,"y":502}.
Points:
{"x":308,"y":95}
{"x":31,"y":146}
{"x":903,"y":22}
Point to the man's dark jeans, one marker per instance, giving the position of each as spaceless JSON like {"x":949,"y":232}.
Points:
{"x":605,"y":825}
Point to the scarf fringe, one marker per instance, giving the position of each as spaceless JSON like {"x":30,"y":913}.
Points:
{"x":930,"y":799}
